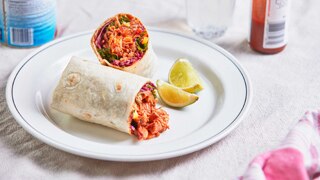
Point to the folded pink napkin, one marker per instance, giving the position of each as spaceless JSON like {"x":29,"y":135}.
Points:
{"x":298,"y":157}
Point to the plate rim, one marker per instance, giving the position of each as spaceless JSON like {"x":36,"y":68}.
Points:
{"x":135,"y":158}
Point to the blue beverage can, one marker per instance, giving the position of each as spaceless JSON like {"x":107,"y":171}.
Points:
{"x":27,"y":23}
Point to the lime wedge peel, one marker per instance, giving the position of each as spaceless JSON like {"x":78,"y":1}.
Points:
{"x":174,"y":96}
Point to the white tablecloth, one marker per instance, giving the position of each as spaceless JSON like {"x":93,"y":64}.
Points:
{"x":285,"y":85}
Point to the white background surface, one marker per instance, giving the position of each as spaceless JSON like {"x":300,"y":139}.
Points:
{"x":285,"y":86}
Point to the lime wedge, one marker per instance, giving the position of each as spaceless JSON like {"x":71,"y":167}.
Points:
{"x":184,"y":76}
{"x":174,"y":96}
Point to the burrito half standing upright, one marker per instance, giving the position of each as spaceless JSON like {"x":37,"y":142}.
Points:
{"x":113,"y":98}
{"x":122,"y":42}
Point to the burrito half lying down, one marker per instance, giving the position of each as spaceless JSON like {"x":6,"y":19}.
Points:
{"x":110,"y":97}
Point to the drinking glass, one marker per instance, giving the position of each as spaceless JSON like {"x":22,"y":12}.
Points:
{"x":209,"y":18}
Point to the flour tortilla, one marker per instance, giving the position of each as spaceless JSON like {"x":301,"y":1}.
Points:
{"x":146,"y":66}
{"x":97,"y":94}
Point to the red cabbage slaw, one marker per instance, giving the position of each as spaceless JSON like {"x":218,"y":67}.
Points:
{"x":149,"y":86}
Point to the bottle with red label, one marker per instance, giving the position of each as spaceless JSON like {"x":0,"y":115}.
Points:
{"x":269,"y":25}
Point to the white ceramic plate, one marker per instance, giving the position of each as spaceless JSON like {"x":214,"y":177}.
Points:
{"x":220,"y":108}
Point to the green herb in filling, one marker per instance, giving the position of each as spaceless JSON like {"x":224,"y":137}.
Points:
{"x":123,"y":19}
{"x":140,"y":46}
{"x":106,"y":54}
{"x":154,"y":93}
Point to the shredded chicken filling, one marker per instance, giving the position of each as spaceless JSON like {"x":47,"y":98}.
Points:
{"x":123,"y":41}
{"x":147,"y":121}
